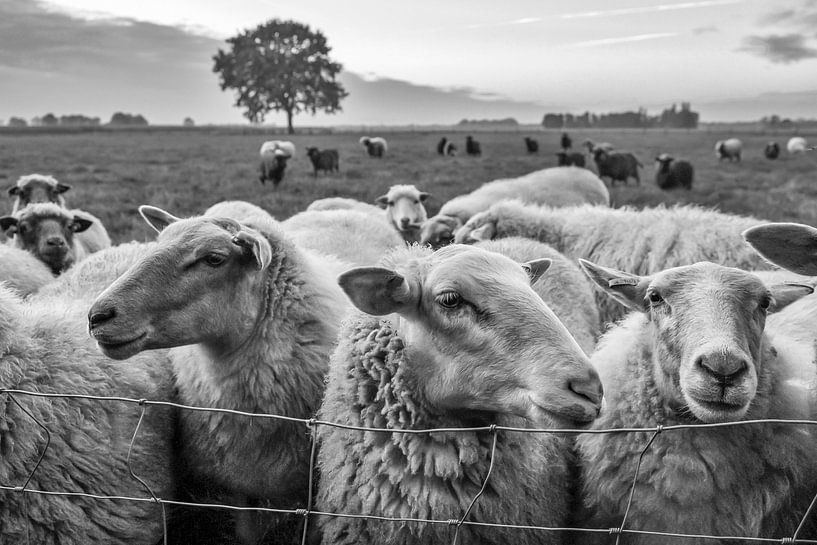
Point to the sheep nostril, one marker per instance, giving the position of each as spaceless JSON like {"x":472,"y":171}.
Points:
{"x":55,"y":241}
{"x":96,"y":319}
{"x":590,"y":389}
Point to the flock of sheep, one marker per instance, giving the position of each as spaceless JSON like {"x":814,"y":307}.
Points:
{"x":527,"y":303}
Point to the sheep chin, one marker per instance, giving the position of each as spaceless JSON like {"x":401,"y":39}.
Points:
{"x":121,"y":350}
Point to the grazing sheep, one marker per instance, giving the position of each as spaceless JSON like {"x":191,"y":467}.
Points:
{"x":37,"y":188}
{"x":358,"y":238}
{"x":46,"y":349}
{"x":695,"y":352}
{"x":469,"y":344}
{"x":274,"y":156}
{"x":445,"y":147}
{"x":772,"y":150}
{"x":565,"y":142}
{"x":566,"y":159}
{"x":728,"y":149}
{"x":531,"y":145}
{"x":253,"y":319}
{"x":376,"y":146}
{"x":21,"y":271}
{"x":618,"y":166}
{"x":343,"y":203}
{"x":241,"y":211}
{"x":591,"y":146}
{"x":405,"y":210}
{"x":671,"y":174}
{"x":326,"y":160}
{"x":559,"y":186}
{"x":472,"y":147}
{"x":643,"y":241}
{"x":796,"y":144}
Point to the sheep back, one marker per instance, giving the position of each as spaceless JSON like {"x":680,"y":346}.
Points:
{"x":343,"y":203}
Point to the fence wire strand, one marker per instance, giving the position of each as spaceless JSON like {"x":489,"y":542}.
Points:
{"x":312,"y":425}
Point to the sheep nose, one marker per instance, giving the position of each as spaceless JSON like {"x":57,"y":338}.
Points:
{"x":98,"y":317}
{"x":55,"y":241}
{"x":589,"y":387}
{"x":725,"y":367}
{"x":405,"y":222}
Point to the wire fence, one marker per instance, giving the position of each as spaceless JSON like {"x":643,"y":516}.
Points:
{"x":310,"y":513}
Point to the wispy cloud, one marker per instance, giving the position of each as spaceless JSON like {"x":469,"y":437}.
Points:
{"x":803,"y":17}
{"x":649,"y":9}
{"x":521,"y":21}
{"x":621,"y":40}
{"x":780,"y":49}
{"x":704,"y":30}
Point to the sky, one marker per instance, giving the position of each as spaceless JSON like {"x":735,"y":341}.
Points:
{"x":420,"y":62}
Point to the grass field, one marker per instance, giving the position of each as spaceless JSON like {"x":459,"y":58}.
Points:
{"x":185,"y":171}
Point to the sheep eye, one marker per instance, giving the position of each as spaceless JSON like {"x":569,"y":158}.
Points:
{"x":416,"y":201}
{"x":391,"y":203}
{"x":765,"y":302}
{"x":214,"y":260}
{"x":449,"y":299}
{"x":654,"y":297}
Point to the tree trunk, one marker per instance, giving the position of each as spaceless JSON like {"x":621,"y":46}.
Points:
{"x":290,"y":130}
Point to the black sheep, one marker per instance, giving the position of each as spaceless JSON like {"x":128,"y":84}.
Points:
{"x":566,"y":142}
{"x":671,"y":174}
{"x":772,"y":150}
{"x":472,"y":147}
{"x":326,"y":160}
{"x":617,"y":165}
{"x":531,"y":144}
{"x":567,"y":159}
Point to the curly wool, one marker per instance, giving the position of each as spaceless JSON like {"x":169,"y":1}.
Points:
{"x":432,"y":476}
{"x":21,"y":271}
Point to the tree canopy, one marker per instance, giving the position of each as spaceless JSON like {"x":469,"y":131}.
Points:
{"x":282,"y":66}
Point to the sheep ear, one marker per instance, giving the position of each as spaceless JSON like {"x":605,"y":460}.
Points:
{"x":424,"y":196}
{"x":8,"y":224}
{"x":485,"y":232}
{"x":382,"y":201}
{"x":14,"y":191}
{"x":156,"y":217}
{"x":80,"y":224}
{"x":785,"y":294}
{"x":792,"y":246}
{"x":376,"y":290}
{"x":61,"y":187}
{"x":257,"y":245}
{"x":536,"y":268}
{"x":628,"y":289}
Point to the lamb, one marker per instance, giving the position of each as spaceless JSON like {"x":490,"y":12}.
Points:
{"x":468,"y":344}
{"x":45,"y":349}
{"x":343,"y":203}
{"x":796,"y":144}
{"x":376,"y":146}
{"x":559,"y":186}
{"x":37,"y":188}
{"x":671,"y":174}
{"x":354,"y":237}
{"x":695,"y":352}
{"x":566,"y":159}
{"x":274,"y":156}
{"x":326,"y":160}
{"x":728,"y":149}
{"x":617,"y":165}
{"x":21,"y":272}
{"x":772,"y":150}
{"x":47,"y":231}
{"x":531,"y":145}
{"x":472,"y":147}
{"x":445,"y":147}
{"x":238,"y":210}
{"x":405,"y":210}
{"x":253,"y":319}
{"x":643,"y":241}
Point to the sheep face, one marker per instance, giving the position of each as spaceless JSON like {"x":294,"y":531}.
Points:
{"x":479,"y":338}
{"x":439,"y":231}
{"x":792,"y":246}
{"x":404,"y":207}
{"x":205,"y":280}
{"x":35,"y":188}
{"x":705,"y":325}
{"x":273,"y":168}
{"x":47,"y":231}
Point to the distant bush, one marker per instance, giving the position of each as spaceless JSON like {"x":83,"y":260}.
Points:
{"x":18,"y":122}
{"x":120,"y":118}
{"x":188,"y":122}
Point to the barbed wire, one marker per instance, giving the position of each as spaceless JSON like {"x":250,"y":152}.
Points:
{"x":312,"y":425}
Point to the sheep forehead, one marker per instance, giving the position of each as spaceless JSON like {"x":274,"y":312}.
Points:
{"x":403,"y":190}
{"x":199,"y":232}
{"x":32,"y":179}
{"x":470,"y":271}
{"x":699,"y":283}
{"x":44,"y":210}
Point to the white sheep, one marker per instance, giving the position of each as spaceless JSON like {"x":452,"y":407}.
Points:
{"x":253,"y":319}
{"x":375,"y":146}
{"x":37,"y":188}
{"x":238,"y":210}
{"x":796,"y":145}
{"x":343,"y":203}
{"x":468,"y":344}
{"x":355,"y":237}
{"x":591,"y":146}
{"x":405,"y":210}
{"x":274,"y":155}
{"x":46,"y":349}
{"x":558,"y":186}
{"x":695,"y":352}
{"x":730,"y":148}
{"x":642,"y":241}
{"x":21,"y":271}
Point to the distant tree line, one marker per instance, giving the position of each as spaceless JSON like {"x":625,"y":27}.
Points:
{"x":506,"y":122}
{"x":78,"y":120}
{"x":683,"y":118}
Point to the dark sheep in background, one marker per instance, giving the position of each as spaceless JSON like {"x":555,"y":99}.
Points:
{"x":472,"y":147}
{"x":772,"y":150}
{"x":274,"y":156}
{"x":566,"y":142}
{"x":567,"y":159}
{"x":671,"y":174}
{"x":375,"y":146}
{"x":326,"y":160}
{"x":617,"y":165}
{"x":531,"y":144}
{"x":446,"y":147}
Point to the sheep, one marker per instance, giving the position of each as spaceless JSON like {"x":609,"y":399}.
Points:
{"x":472,"y":147}
{"x":405,"y":210}
{"x":37,"y":188}
{"x":46,"y":350}
{"x":47,"y":231}
{"x":253,"y":319}
{"x":772,"y":150}
{"x":376,"y":146}
{"x":671,"y":174}
{"x":274,"y":156}
{"x":617,"y":165}
{"x":559,"y":186}
{"x":642,"y":241}
{"x":326,"y":160}
{"x":343,"y":203}
{"x":238,"y":210}
{"x":591,"y":146}
{"x":21,"y":271}
{"x":796,"y":144}
{"x":468,"y":344}
{"x":445,"y":147}
{"x":728,"y":149}
{"x":531,"y":145}
{"x":565,"y":142}
{"x":694,"y":351}
{"x":567,"y":159}
{"x":358,"y":238}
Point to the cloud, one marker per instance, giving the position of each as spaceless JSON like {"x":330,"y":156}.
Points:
{"x":649,"y":9}
{"x":802,"y":17}
{"x":780,"y":49}
{"x":705,"y":30}
{"x":621,"y":40}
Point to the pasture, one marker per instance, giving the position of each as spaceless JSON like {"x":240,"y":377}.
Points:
{"x":186,"y":170}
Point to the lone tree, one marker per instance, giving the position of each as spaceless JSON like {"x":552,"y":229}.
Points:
{"x":281,"y":66}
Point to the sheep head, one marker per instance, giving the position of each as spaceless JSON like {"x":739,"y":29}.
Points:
{"x":705,"y":327}
{"x":439,"y":230}
{"x":36,"y":188}
{"x":479,"y":337}
{"x":404,"y":207}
